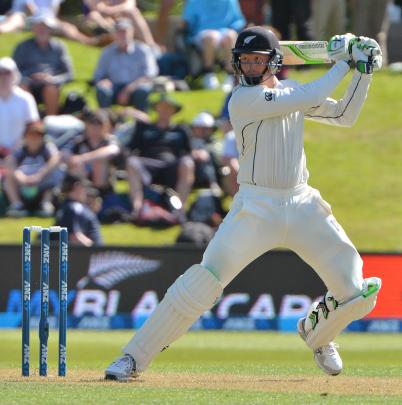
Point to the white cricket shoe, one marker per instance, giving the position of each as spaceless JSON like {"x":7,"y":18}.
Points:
{"x":122,"y":369}
{"x":326,"y":357}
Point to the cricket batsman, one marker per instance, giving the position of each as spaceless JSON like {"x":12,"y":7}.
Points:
{"x":275,"y":206}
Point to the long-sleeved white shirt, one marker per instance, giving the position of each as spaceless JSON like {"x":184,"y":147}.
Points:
{"x":269,"y":124}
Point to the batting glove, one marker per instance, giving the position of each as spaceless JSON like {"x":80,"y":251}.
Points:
{"x":367,"y":55}
{"x":339,"y":47}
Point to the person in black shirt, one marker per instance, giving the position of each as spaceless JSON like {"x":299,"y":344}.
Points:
{"x":74,"y":213}
{"x":160,"y":153}
{"x":92,"y":154}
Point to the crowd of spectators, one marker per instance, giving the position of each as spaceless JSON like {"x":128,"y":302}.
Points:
{"x":54,"y":164}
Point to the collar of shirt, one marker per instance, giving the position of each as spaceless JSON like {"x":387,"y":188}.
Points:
{"x":130,"y":48}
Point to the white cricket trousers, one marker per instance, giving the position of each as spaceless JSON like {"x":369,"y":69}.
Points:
{"x":298,"y":219}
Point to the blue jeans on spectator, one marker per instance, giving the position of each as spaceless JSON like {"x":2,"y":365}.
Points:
{"x":138,"y":99}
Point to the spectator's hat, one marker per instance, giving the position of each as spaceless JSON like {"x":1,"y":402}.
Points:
{"x":44,"y":18}
{"x":167,"y":99}
{"x":8,"y":65}
{"x":123,"y":24}
{"x":204,"y":120}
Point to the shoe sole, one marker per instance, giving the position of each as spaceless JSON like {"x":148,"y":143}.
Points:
{"x":113,"y":377}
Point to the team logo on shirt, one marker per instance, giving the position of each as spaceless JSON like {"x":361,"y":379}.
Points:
{"x":269,"y":96}
{"x":248,"y":39}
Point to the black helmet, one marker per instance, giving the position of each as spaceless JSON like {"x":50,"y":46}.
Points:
{"x":257,"y":40}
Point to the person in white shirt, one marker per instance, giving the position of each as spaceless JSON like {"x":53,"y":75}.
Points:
{"x":275,"y":206}
{"x":17,"y":107}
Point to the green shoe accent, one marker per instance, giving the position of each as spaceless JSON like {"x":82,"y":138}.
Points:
{"x":371,"y":289}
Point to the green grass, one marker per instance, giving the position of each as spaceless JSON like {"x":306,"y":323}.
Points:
{"x":210,"y":368}
{"x":357,"y":169}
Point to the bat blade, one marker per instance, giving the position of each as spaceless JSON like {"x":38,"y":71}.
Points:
{"x":304,"y":52}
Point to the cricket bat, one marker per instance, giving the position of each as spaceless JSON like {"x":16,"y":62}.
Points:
{"x":304,"y":52}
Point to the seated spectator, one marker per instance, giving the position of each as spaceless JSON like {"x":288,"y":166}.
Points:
{"x":105,"y":13}
{"x":92,"y":154}
{"x":203,"y":127}
{"x":125,"y":70}
{"x":160,"y":154}
{"x":17,"y":108}
{"x":44,"y":64}
{"x":212,"y":26}
{"x":76,"y":215}
{"x":16,"y":20}
{"x":32,"y":174}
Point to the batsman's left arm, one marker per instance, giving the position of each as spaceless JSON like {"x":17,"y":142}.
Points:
{"x":343,"y":112}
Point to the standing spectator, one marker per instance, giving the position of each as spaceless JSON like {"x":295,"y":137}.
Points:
{"x":125,"y":70}
{"x":32,"y":174}
{"x":44,"y":64}
{"x":286,"y":12}
{"x":91,"y":156}
{"x":370,"y":19}
{"x":17,"y":108}
{"x":76,"y":215}
{"x":328,"y":18}
{"x":161,"y":154}
{"x":104,"y":13}
{"x":212,"y":26}
{"x":203,"y":153}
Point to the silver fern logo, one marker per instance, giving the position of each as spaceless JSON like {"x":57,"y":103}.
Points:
{"x":110,"y":268}
{"x":248,"y":39}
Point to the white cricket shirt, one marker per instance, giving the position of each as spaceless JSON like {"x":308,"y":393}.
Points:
{"x":269,"y":124}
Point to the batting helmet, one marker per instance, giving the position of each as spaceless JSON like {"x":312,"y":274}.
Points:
{"x":258,"y":40}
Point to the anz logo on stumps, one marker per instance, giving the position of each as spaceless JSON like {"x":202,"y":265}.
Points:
{"x":64,"y":252}
{"x":63,"y":354}
{"x":63,"y":291}
{"x":46,"y":249}
{"x":27,"y":252}
{"x":26,"y":353}
{"x":43,"y":358}
{"x":45,"y":292}
{"x":27,"y":291}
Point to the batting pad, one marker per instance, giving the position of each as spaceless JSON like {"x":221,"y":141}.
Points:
{"x":196,"y":291}
{"x":327,"y":327}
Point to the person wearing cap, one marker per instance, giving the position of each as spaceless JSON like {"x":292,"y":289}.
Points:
{"x":44,"y":63}
{"x":275,"y":206}
{"x":32,"y":174}
{"x":203,"y":152}
{"x":159,"y":153}
{"x":17,"y":109}
{"x":92,"y":154}
{"x":125,"y":70}
{"x":76,"y":214}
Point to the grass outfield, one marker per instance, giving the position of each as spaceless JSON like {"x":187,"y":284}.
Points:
{"x":358,"y":170}
{"x":210,"y":368}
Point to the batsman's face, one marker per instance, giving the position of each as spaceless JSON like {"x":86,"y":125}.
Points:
{"x":253,"y":64}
